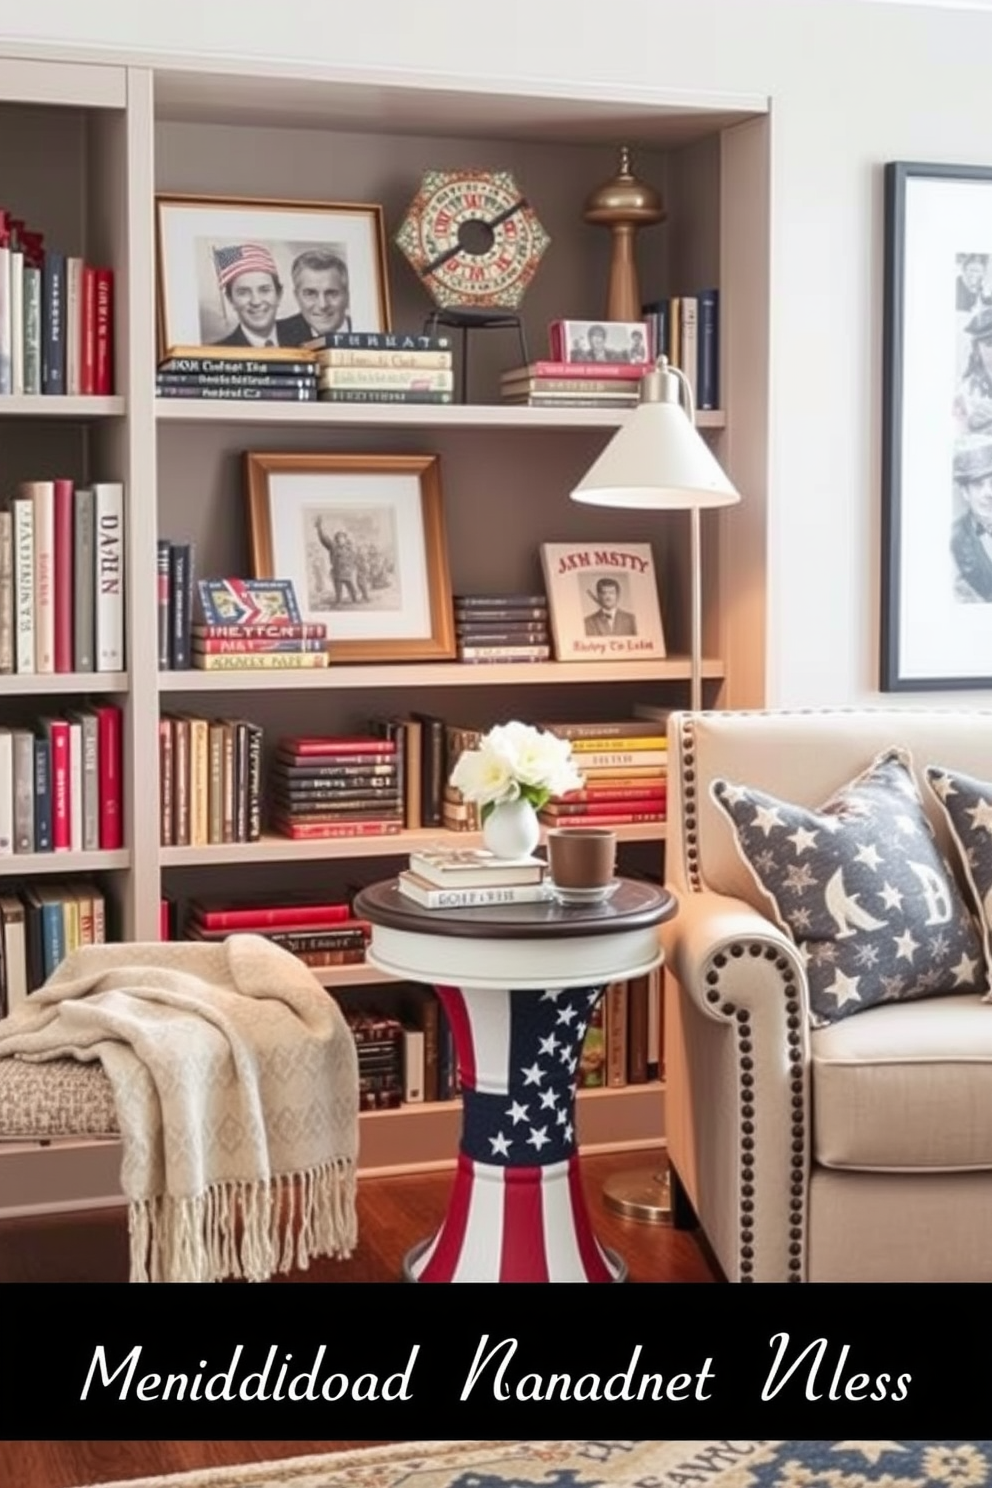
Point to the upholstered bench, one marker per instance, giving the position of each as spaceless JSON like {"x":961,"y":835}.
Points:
{"x":63,"y":1098}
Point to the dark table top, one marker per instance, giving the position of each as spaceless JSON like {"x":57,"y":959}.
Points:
{"x":634,"y":906}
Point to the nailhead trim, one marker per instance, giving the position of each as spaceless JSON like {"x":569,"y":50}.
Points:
{"x":746,"y":1103}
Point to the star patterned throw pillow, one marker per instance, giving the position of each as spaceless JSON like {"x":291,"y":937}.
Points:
{"x":862,"y":888}
{"x":967,"y":807}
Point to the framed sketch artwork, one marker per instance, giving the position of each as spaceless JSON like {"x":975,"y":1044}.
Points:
{"x":266,"y":276}
{"x":936,"y":613}
{"x":362,"y":539}
{"x":603,"y":599}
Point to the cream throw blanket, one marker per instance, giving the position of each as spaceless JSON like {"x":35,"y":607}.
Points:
{"x":235,"y":1078}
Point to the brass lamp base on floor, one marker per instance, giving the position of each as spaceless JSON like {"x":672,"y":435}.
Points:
{"x":640,"y":1193}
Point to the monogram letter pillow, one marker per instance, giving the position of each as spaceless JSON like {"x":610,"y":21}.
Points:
{"x":861,"y":886}
{"x":967,"y":807}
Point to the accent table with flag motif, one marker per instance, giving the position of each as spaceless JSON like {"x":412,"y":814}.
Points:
{"x":518,"y":983}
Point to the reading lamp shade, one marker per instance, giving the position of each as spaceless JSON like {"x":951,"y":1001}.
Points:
{"x":656,"y":462}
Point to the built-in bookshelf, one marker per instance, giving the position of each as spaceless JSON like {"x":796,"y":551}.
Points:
{"x":96,"y":140}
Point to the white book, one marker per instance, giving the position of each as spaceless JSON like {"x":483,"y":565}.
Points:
{"x":6,"y":793}
{"x":109,"y":502}
{"x":431,"y":896}
{"x":689,"y":351}
{"x":16,"y":322}
{"x":42,"y":496}
{"x":23,"y":585}
{"x":15,"y":952}
{"x":474,"y":868}
{"x":413,"y":1065}
{"x":75,"y":787}
{"x":73,"y":326}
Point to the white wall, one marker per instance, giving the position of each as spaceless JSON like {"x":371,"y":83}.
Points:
{"x":852,"y":85}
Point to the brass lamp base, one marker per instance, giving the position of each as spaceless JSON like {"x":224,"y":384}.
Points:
{"x":641,"y":1193}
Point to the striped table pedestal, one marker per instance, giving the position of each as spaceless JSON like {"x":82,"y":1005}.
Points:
{"x":519,"y":984}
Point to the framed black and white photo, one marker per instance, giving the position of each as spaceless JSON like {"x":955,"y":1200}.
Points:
{"x":362,"y":539}
{"x":936,"y":592}
{"x":265,"y":276}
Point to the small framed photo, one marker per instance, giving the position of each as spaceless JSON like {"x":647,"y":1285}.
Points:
{"x":362,"y":539}
{"x":263,"y":276}
{"x":627,"y":342}
{"x":603,"y":599}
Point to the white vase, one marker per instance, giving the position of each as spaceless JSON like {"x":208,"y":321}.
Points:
{"x":512,"y":830}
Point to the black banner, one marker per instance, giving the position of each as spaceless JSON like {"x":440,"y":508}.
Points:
{"x":287,"y":1361}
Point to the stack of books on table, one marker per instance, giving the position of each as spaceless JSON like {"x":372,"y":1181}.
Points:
{"x":573,"y":384}
{"x":383,"y":367}
{"x":318,"y":934}
{"x":463,"y":878}
{"x":624,"y":769}
{"x":502,"y":627}
{"x":280,"y":375}
{"x":336,"y":786}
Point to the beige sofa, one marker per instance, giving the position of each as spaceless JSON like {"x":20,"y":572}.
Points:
{"x":857,"y":1152}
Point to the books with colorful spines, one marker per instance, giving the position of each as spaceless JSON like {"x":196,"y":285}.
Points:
{"x":471,"y":868}
{"x":430,"y":896}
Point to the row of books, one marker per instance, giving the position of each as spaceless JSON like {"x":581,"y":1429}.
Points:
{"x":40,"y":924}
{"x":686,"y":329}
{"x":319,"y":934}
{"x":56,"y":317}
{"x":210,"y":780}
{"x":509,"y":627}
{"x":62,"y":578}
{"x":419,"y":370}
{"x":61,"y":785}
{"x":237,"y":374}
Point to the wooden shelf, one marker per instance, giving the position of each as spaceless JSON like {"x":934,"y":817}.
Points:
{"x":34,"y":405}
{"x":273,"y":849}
{"x":438,"y":674}
{"x":18,"y":865}
{"x":35,"y":683}
{"x":352,"y":976}
{"x":398,"y":415}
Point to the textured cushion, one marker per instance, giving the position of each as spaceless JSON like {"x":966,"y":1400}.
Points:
{"x":862,"y":887}
{"x":905,"y":1087}
{"x":967,"y":806}
{"x":57,"y":1098}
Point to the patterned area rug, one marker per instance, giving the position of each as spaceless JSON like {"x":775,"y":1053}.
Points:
{"x":615,"y":1464}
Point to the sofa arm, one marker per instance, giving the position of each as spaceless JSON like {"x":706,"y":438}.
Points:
{"x":737,"y":1047}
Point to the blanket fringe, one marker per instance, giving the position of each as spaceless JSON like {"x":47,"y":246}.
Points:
{"x":245,"y":1229}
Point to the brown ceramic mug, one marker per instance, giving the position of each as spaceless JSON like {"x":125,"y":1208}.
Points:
{"x":582,"y":857}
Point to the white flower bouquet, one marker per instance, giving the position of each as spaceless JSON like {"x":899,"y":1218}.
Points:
{"x":515,"y":762}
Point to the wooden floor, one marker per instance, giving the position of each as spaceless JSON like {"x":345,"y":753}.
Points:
{"x":393,"y":1214}
{"x":66,"y":1464}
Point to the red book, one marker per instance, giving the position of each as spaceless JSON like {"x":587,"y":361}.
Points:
{"x":63,"y":573}
{"x":164,"y":920}
{"x":619,"y":371}
{"x":579,"y":810}
{"x":336,"y":745}
{"x":104,"y":341}
{"x":109,"y":754}
{"x":57,"y":731}
{"x":612,"y":819}
{"x":255,"y":646}
{"x":87,"y":370}
{"x":297,"y":916}
{"x":301,"y":831}
{"x":616,"y":793}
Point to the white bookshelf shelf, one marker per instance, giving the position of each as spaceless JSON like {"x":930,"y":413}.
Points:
{"x":41,"y":683}
{"x":274,"y":849}
{"x":352,"y":976}
{"x":36,"y":405}
{"x":18,"y":865}
{"x":398,"y":415}
{"x":437,"y":674}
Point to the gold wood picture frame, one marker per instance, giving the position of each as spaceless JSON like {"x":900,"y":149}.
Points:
{"x":259,"y":277}
{"x":362,"y":538}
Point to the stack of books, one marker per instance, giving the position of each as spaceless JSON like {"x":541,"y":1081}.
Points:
{"x":383,"y":367}
{"x":318,"y":934}
{"x":246,"y":625}
{"x":624,"y":768}
{"x":379,"y":1042}
{"x":61,"y":589}
{"x":462,"y":878}
{"x":555,"y":384}
{"x":61,"y":784}
{"x":56,"y":318}
{"x":282,"y":376}
{"x":336,"y":787}
{"x":210,"y":780}
{"x":502,"y":627}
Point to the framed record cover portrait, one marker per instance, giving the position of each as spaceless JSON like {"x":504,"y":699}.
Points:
{"x":603,"y":599}
{"x":936,"y":582}
{"x":362,"y":539}
{"x":261,"y":276}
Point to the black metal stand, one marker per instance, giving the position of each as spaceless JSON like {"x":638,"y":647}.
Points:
{"x":475,"y":320}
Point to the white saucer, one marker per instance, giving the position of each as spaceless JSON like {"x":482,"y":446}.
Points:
{"x":597,"y":895}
